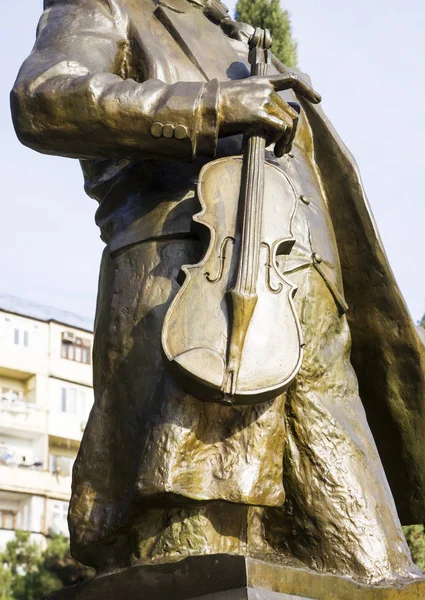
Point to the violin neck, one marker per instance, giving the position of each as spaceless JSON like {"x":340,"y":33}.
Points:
{"x":252,"y":194}
{"x":243,"y":297}
{"x":260,"y":68}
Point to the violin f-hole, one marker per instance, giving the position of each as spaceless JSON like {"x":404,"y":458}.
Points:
{"x":221,"y":261}
{"x":269,"y":264}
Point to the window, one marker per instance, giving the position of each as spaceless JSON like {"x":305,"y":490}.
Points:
{"x":7,"y":519}
{"x":69,"y":401}
{"x":21,"y":337}
{"x":59,"y":523}
{"x":61,"y":465}
{"x":75,"y":348}
{"x":84,"y":406}
{"x":86,"y":355}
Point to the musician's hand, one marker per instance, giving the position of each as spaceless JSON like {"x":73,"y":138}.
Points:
{"x":252,"y":105}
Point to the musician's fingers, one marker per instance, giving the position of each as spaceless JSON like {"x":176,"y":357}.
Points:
{"x":292,"y":136}
{"x":283,"y":130}
{"x":285,"y":106}
{"x":289,"y":116}
{"x":279,"y":148}
{"x":295,"y":106}
{"x":271,"y":124}
{"x":284,"y":145}
{"x":285,"y":81}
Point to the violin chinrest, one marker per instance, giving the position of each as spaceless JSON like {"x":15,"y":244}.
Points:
{"x":203,"y":364}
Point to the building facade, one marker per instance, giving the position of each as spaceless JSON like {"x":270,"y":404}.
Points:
{"x":45,"y":398}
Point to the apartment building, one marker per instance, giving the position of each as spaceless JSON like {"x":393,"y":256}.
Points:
{"x":45,"y":398}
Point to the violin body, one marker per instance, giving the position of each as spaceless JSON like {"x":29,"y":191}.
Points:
{"x":231,"y":334}
{"x":197,"y":332}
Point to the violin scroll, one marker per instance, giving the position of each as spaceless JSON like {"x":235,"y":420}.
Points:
{"x":259,"y":56}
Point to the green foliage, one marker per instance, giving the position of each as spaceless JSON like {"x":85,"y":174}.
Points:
{"x":415,"y":537}
{"x":5,"y":583}
{"x":58,"y":561}
{"x":26,"y":573}
{"x":268,"y":14}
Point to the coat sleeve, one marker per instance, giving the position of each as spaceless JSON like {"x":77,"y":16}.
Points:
{"x":73,"y":97}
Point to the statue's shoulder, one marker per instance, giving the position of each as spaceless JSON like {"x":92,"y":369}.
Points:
{"x":112,"y":6}
{"x":120,"y":12}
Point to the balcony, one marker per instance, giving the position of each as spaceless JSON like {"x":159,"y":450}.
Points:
{"x":69,"y":370}
{"x":34,"y":481}
{"x":21,"y":363}
{"x":19,"y":415}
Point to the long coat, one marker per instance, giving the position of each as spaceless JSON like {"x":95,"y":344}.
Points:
{"x":157,"y":65}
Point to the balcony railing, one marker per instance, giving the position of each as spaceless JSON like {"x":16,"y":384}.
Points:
{"x":34,"y":481}
{"x":21,"y":414}
{"x":13,"y":404}
{"x":9,"y":457}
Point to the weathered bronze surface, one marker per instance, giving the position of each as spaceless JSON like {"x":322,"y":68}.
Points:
{"x":145,"y":93}
{"x":224,"y":577}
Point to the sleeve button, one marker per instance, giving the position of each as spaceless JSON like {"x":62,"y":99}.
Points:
{"x":306,"y":200}
{"x":317,"y":257}
{"x":156,"y":129}
{"x":168,"y":130}
{"x":181,"y":132}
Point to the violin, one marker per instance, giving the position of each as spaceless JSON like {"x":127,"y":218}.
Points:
{"x":231,"y":334}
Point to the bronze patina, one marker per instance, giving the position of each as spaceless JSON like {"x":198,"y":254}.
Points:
{"x":146,"y":93}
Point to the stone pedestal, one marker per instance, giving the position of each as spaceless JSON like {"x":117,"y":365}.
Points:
{"x":226,"y":577}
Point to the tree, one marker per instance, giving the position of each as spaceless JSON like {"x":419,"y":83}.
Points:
{"x":268,"y":14}
{"x":21,"y":561}
{"x":26,"y":573}
{"x":58,"y":561}
{"x":5,"y":583}
{"x":415,"y":537}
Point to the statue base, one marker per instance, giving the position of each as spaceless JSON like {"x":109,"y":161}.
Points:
{"x":228,"y":577}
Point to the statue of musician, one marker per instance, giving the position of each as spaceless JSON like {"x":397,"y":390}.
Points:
{"x":145,"y":93}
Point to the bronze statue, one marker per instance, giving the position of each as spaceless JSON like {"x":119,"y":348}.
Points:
{"x":146,"y":93}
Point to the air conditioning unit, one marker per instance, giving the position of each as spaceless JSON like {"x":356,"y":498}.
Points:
{"x":68,"y":337}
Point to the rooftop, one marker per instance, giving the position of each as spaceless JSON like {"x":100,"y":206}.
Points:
{"x":26,"y":308}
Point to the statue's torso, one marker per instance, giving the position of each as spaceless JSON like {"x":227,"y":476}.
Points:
{"x":147,"y":199}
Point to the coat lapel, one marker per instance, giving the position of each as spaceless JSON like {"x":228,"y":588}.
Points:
{"x":203,"y":42}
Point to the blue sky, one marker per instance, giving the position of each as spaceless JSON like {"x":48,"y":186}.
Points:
{"x":365,"y":58}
